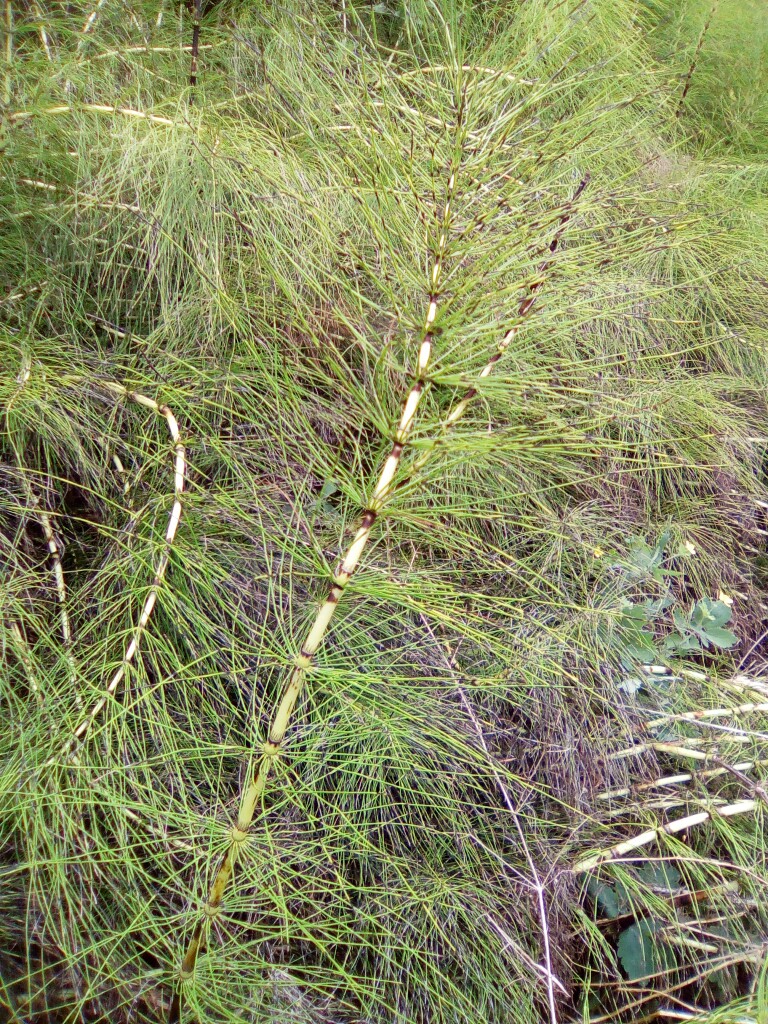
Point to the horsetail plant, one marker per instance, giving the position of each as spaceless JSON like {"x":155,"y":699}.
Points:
{"x":254,"y":790}
{"x":385,"y":485}
{"x":54,"y":551}
{"x":688,"y":79}
{"x":333,"y":250}
{"x":525,"y":307}
{"x":669,"y":828}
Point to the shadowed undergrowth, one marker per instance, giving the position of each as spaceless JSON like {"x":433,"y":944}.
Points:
{"x":522,"y":778}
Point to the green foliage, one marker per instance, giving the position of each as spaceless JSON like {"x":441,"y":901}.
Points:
{"x":644,"y":560}
{"x":727,"y":102}
{"x":694,"y":631}
{"x":255,"y":255}
{"x":639,"y":950}
{"x":658,"y":629}
{"x":702,"y":627}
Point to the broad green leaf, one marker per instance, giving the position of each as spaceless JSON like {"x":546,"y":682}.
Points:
{"x":706,"y":611}
{"x":329,"y":488}
{"x":660,"y":876}
{"x":638,"y":951}
{"x":721,"y":637}
{"x":605,"y":896}
{"x":653,"y":609}
{"x":640,"y":649}
{"x":677,"y":644}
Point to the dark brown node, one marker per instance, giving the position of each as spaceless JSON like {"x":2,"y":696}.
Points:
{"x":369,"y":516}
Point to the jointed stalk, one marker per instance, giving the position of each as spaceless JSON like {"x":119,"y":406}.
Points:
{"x":652,"y":834}
{"x":22,"y":651}
{"x":90,"y":21}
{"x":41,"y":29}
{"x":699,"y":45}
{"x":676,"y":780}
{"x":703,"y":714}
{"x":254,"y":789}
{"x":61,"y":587}
{"x":197,"y":13}
{"x":523,"y":311}
{"x":160,"y":570}
{"x":96,"y":108}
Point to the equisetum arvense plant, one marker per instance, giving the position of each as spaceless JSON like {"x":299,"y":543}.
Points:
{"x":252,"y":793}
{"x":254,"y":788}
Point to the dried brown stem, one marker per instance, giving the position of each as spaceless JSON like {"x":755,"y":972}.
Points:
{"x":197,"y":13}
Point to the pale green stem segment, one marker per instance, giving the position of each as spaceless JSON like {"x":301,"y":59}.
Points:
{"x":669,"y":829}
{"x":524,"y":309}
{"x":41,"y":29}
{"x":180,"y":466}
{"x":253,"y":791}
{"x":96,"y":108}
{"x":61,"y":586}
{"x":23,"y":654}
{"x":676,"y":780}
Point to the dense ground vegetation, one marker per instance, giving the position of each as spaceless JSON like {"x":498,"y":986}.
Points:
{"x":473,"y":297}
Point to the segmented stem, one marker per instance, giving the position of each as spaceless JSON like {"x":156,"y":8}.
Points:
{"x":91,"y":19}
{"x":41,"y":29}
{"x":22,"y":651}
{"x":254,"y":789}
{"x":54,"y":551}
{"x":197,"y":11}
{"x":61,"y":587}
{"x":523,"y":311}
{"x":253,"y":792}
{"x":652,"y":834}
{"x":676,"y":780}
{"x":96,"y":108}
{"x":160,"y":570}
{"x":694,"y":62}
